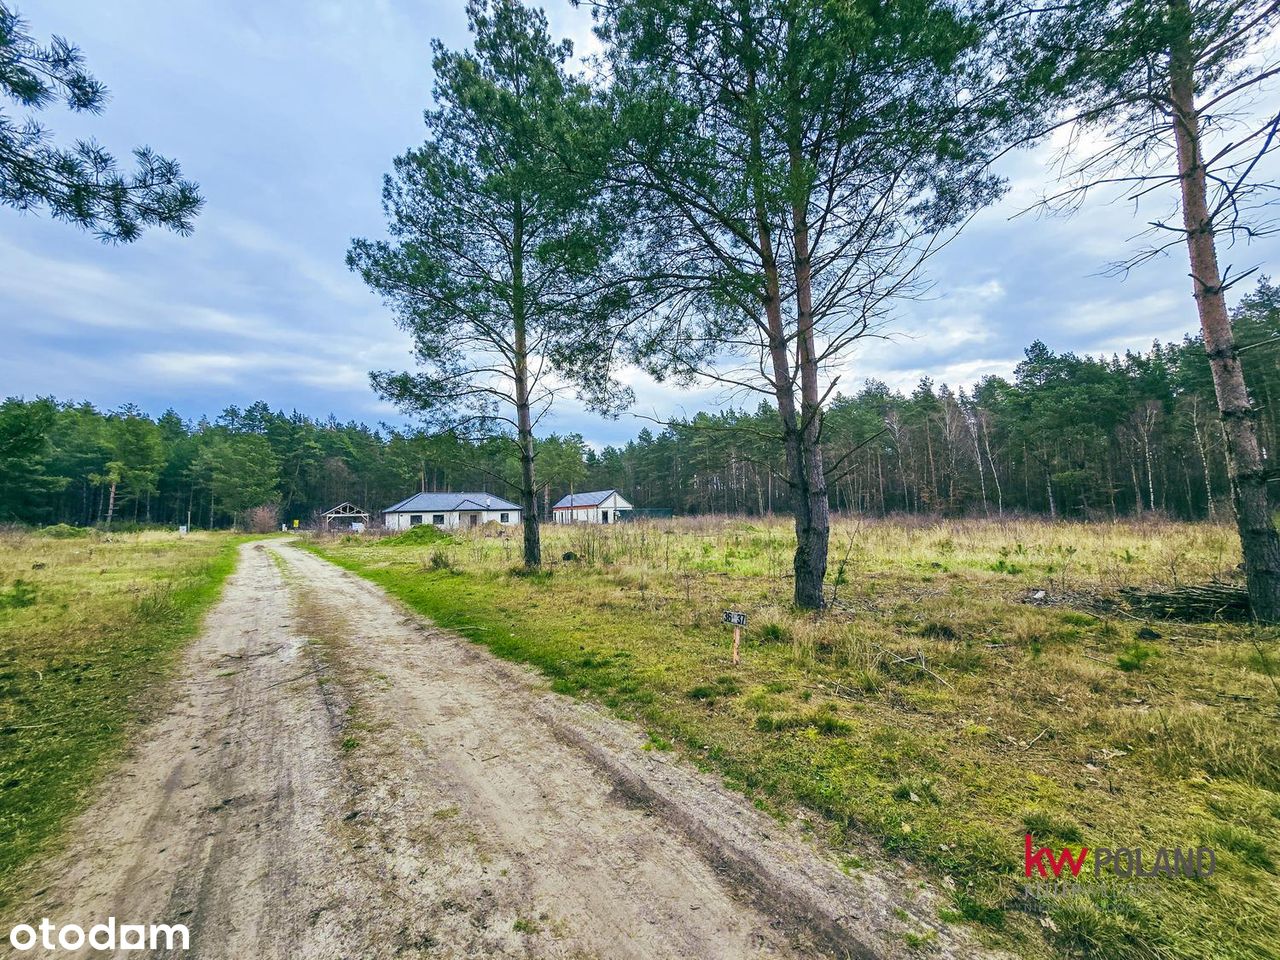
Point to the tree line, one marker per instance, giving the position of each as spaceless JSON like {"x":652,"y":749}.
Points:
{"x":72,"y":463}
{"x":1065,"y":436}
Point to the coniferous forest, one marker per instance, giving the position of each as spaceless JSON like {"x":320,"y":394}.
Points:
{"x":1066,"y":436}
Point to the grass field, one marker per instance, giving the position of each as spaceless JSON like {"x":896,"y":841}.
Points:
{"x":89,"y":626}
{"x":932,"y":708}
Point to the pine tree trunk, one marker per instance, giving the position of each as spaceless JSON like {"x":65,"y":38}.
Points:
{"x":111,"y":505}
{"x":524,"y":420}
{"x":880,"y":478}
{"x":528,"y":491}
{"x":809,"y":509}
{"x":1111,"y":488}
{"x":813,"y":534}
{"x":1259,"y":541}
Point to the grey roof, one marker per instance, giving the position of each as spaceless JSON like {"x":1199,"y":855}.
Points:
{"x":446,"y":502}
{"x":586,"y":499}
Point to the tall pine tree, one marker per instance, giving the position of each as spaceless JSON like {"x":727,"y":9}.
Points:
{"x":499,"y":259}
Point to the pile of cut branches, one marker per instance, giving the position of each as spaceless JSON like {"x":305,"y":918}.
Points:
{"x":1191,"y":602}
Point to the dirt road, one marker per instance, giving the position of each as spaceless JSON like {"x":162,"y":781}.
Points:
{"x":336,"y":778}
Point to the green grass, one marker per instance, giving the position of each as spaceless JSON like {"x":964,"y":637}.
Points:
{"x":931,"y":710}
{"x":98,"y":630}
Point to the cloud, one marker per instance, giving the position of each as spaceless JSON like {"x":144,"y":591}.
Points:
{"x":290,"y":113}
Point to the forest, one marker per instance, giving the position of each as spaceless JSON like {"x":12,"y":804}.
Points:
{"x":1066,"y":436}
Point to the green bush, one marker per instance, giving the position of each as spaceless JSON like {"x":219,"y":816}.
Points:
{"x":421,"y":535}
{"x":775,"y":633}
{"x":1135,"y":657}
{"x":21,"y":594}
{"x":64,"y":531}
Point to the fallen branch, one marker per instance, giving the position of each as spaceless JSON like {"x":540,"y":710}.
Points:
{"x":1037,"y":737}
{"x":916,"y":661}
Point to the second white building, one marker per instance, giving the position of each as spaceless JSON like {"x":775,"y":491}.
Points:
{"x":600,"y":506}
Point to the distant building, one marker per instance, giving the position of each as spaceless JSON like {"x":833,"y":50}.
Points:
{"x":450,"y":510}
{"x":601,"y":506}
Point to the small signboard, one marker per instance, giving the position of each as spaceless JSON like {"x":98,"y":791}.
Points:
{"x":737,"y":621}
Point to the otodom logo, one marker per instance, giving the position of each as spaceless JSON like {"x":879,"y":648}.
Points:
{"x":1124,"y":862}
{"x":101,"y":936}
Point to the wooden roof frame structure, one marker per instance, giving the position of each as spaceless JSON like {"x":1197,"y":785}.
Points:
{"x":345,"y":510}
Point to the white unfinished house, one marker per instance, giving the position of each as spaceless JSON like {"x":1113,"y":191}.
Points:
{"x":450,"y":510}
{"x":600,"y":506}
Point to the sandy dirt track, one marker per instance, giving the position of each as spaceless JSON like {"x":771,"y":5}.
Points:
{"x":336,"y":778}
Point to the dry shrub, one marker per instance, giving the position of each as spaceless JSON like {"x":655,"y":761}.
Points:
{"x":264,"y":519}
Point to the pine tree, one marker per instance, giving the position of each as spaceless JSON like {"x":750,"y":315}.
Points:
{"x":498,"y":263}
{"x":797,"y":163}
{"x":81,"y":184}
{"x":1172,"y":97}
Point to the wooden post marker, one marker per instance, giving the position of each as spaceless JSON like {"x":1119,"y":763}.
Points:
{"x":739,"y":620}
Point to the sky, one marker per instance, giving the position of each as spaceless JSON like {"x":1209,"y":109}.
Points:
{"x":289,"y":113}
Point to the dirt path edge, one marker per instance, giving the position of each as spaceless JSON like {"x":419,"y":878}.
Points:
{"x":767,"y":884}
